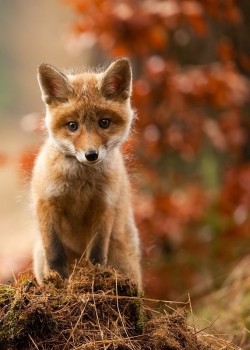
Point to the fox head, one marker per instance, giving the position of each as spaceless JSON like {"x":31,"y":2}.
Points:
{"x":88,"y":115}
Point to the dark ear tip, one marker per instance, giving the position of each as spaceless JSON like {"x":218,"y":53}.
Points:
{"x":123,"y":60}
{"x":44,"y":67}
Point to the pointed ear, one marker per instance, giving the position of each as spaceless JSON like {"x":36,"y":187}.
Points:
{"x":117,"y":80}
{"x":54,"y":84}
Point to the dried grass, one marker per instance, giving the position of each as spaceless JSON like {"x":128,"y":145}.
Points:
{"x":229,"y":307}
{"x":95,"y":309}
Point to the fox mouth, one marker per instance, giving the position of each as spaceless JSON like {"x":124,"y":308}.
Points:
{"x":92,"y":162}
{"x":89,"y":163}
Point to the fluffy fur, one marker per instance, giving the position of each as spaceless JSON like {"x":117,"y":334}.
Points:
{"x":83,"y":207}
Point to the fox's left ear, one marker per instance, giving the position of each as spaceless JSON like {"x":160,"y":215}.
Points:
{"x":117,"y":80}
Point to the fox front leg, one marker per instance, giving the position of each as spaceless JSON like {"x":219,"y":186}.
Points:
{"x":99,"y":249}
{"x":100,"y":245}
{"x":55,"y":254}
{"x":49,"y":255}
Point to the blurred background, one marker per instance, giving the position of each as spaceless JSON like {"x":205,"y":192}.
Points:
{"x":31,"y":33}
{"x":190,"y":151}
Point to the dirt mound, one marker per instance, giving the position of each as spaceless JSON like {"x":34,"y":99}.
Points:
{"x":95,"y":309}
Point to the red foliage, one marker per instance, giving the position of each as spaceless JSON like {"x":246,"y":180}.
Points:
{"x":190,"y":143}
{"x":26,"y":162}
{"x":3,"y":159}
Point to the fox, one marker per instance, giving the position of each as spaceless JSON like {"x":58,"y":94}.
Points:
{"x":80,"y":188}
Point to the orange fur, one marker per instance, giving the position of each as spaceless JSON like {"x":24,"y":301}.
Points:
{"x":82,"y":207}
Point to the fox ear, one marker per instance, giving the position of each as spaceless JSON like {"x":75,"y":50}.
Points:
{"x":117,"y":80}
{"x":54,"y":84}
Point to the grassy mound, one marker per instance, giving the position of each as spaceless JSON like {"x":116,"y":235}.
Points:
{"x":95,"y":309}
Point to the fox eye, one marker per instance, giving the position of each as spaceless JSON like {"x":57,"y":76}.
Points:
{"x":73,"y":126}
{"x":104,"y":123}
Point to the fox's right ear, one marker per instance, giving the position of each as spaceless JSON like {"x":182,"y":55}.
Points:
{"x":54,"y":85}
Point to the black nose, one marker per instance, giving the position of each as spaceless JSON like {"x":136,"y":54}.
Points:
{"x":91,"y":155}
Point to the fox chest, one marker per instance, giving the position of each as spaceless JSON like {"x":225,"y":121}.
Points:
{"x":79,"y":215}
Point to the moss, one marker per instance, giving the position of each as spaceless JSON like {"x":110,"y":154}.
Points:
{"x":141,"y":315}
{"x":22,"y":316}
{"x":6,"y":293}
{"x":11,"y":323}
{"x":58,"y":303}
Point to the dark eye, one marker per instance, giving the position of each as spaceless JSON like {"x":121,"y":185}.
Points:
{"x":104,"y":123}
{"x":73,"y":126}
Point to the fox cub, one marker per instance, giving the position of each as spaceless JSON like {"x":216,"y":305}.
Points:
{"x":80,"y":187}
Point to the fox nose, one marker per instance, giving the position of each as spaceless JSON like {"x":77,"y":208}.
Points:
{"x":91,"y":155}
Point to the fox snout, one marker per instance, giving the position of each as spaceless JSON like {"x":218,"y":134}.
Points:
{"x":91,"y":155}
